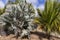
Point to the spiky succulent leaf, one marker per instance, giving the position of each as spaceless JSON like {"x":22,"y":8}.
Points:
{"x":50,"y":16}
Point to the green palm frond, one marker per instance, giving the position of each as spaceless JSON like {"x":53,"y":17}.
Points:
{"x":50,"y":17}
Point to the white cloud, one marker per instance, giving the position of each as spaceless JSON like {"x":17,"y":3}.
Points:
{"x":32,"y":1}
{"x":41,"y":7}
{"x":1,"y":4}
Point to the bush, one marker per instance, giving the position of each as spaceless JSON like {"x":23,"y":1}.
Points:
{"x":50,"y":17}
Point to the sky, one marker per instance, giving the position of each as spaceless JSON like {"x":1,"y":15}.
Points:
{"x":35,"y":3}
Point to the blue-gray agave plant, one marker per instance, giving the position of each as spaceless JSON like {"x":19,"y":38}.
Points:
{"x":18,"y":18}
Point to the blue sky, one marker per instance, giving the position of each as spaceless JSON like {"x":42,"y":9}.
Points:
{"x":36,"y":3}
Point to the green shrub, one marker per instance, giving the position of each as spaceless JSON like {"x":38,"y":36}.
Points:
{"x":50,"y":17}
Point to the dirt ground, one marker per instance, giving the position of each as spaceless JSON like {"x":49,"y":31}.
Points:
{"x":39,"y":35}
{"x":34,"y":36}
{"x":11,"y":37}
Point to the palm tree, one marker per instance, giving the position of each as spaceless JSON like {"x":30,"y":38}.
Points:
{"x":50,"y":17}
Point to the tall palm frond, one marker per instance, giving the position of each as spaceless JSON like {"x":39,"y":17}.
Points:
{"x":50,"y":17}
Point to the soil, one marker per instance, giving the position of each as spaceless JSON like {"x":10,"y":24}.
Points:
{"x":11,"y":37}
{"x":34,"y":36}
